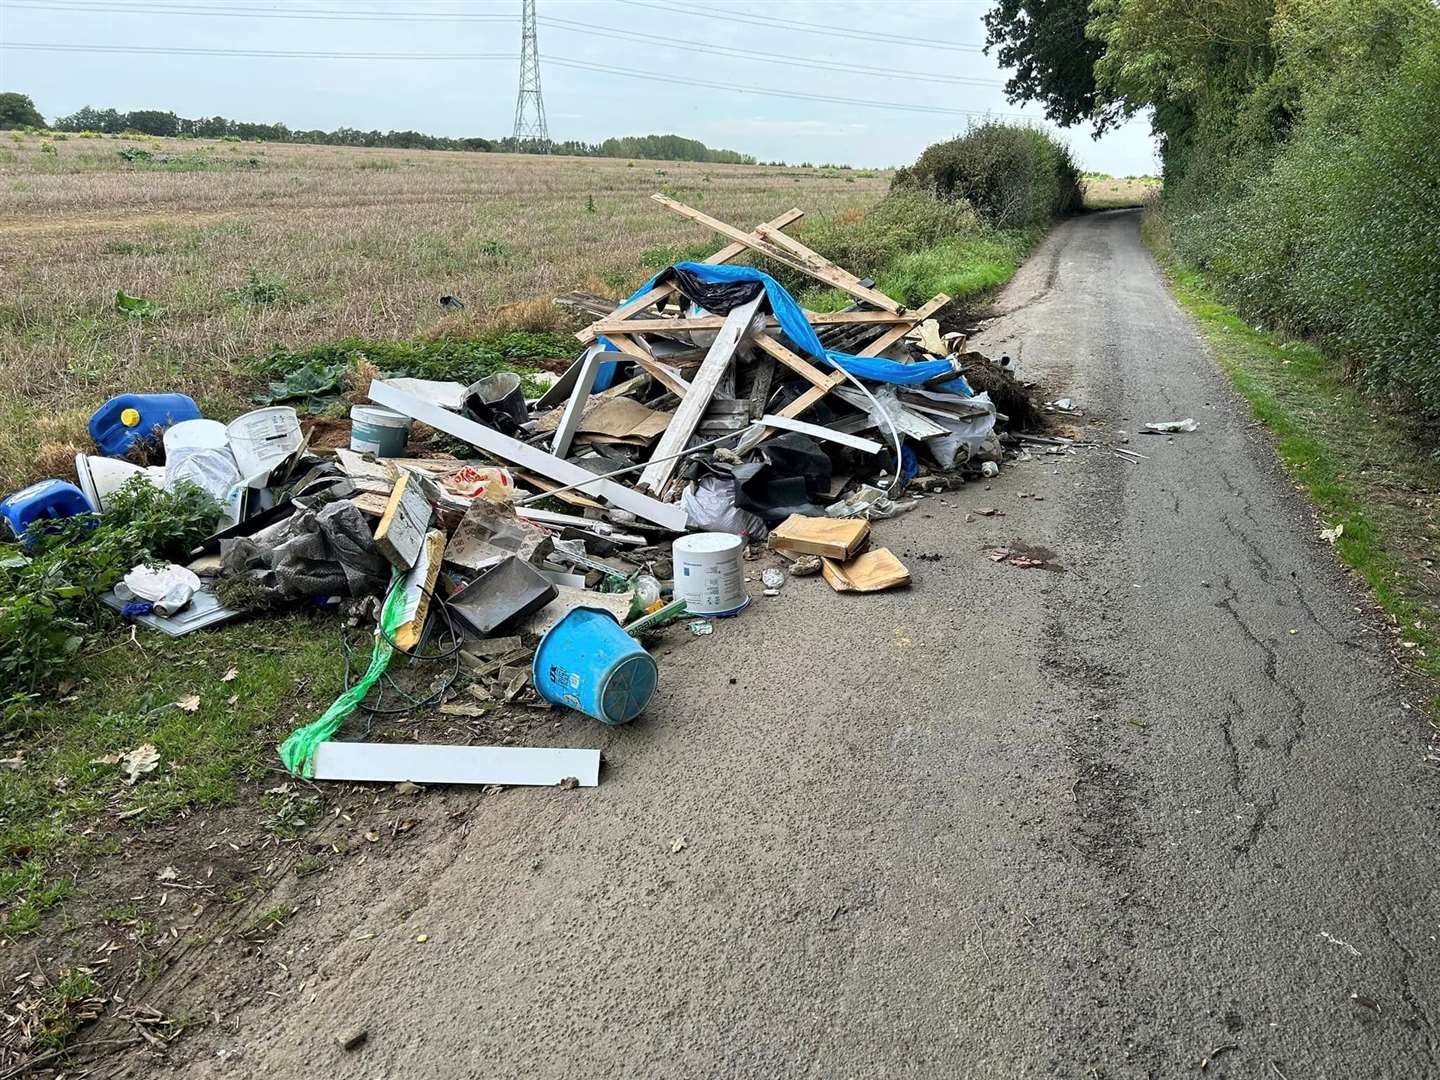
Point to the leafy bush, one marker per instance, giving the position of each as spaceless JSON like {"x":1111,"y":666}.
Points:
{"x":1336,"y":234}
{"x":48,"y":593}
{"x":262,"y":289}
{"x":1013,"y":176}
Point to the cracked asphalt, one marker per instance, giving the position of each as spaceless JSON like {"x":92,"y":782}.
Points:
{"x":1161,"y":813}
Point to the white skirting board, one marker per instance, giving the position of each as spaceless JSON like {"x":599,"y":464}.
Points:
{"x":430,"y":764}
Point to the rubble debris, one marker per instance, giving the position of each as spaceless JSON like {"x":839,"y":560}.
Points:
{"x":1170,"y":427}
{"x":702,"y":412}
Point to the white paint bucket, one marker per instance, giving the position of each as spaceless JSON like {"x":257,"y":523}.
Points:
{"x":190,"y":436}
{"x":710,"y":573}
{"x":100,"y":477}
{"x":382,"y":432}
{"x":262,"y":439}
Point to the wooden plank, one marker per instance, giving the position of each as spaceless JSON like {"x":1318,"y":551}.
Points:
{"x":811,"y":396}
{"x":794,"y":362}
{"x":665,"y":376}
{"x":795,"y":247}
{"x":575,"y":407}
{"x":714,"y":322}
{"x":895,"y":333}
{"x":655,"y":295}
{"x":528,"y":457}
{"x":820,"y":272}
{"x":702,"y":389}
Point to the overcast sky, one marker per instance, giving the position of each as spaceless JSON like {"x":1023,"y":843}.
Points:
{"x":470,"y":96}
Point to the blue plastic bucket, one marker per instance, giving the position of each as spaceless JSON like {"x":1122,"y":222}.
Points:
{"x":589,"y":663}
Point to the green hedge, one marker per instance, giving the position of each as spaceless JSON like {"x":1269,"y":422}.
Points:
{"x":1013,"y":176}
{"x":1336,"y":235}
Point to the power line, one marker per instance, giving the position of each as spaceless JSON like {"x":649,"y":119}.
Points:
{"x":144,"y":7}
{"x":771,"y":22}
{"x":686,"y":45}
{"x":794,"y":95}
{"x":284,"y":54}
{"x":563,"y":25}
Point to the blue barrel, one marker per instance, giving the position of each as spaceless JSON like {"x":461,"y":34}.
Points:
{"x":49,"y":500}
{"x":123,"y":419}
{"x":588,"y":662}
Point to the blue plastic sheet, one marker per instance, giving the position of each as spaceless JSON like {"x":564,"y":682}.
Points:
{"x":792,"y":320}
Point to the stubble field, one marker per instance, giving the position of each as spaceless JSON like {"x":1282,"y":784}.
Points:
{"x":245,"y":246}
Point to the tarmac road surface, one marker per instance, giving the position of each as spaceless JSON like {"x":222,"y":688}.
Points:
{"x":1161,"y":806}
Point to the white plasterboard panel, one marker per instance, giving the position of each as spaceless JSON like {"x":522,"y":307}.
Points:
{"x":430,"y":764}
{"x":528,"y":457}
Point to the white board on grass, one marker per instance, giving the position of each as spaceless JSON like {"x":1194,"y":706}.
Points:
{"x":430,"y":764}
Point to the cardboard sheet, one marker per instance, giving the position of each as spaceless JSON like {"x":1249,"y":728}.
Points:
{"x":624,"y":419}
{"x":835,"y":538}
{"x":875,"y":570}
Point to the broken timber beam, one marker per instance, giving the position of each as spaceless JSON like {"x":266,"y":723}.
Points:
{"x":702,"y":388}
{"x":610,"y":325}
{"x":819,"y":269}
{"x":660,"y":292}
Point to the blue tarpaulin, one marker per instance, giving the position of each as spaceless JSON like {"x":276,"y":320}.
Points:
{"x":792,"y":320}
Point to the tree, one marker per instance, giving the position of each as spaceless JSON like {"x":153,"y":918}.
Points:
{"x":153,"y":122}
{"x":18,"y":111}
{"x":1044,"y":41}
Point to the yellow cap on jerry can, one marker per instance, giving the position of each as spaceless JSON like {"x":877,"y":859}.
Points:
{"x":130,"y":417}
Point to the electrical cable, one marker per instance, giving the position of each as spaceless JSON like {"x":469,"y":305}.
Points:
{"x":168,"y":50}
{"x":142,"y":7}
{"x":771,"y":22}
{"x":436,"y":696}
{"x":148,"y":7}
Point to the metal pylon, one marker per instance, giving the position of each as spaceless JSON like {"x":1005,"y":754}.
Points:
{"x":529,"y":105}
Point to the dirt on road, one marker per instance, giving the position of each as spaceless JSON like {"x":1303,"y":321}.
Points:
{"x":1160,"y":811}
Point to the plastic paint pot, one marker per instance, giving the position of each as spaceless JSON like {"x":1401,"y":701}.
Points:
{"x":262,"y":439}
{"x":101,"y":477}
{"x":188,"y":436}
{"x":709,"y":573}
{"x":382,"y":432}
{"x":589,"y":663}
{"x":123,"y":419}
{"x":501,"y":394}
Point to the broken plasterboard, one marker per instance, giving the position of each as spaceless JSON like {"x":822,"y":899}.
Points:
{"x":401,"y":532}
{"x":668,"y":515}
{"x":419,"y":587}
{"x":544,"y":620}
{"x":429,"y":764}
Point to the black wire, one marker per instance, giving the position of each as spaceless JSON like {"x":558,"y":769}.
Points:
{"x":436,"y":696}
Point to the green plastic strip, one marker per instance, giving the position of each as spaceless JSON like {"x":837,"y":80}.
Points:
{"x":298,"y":751}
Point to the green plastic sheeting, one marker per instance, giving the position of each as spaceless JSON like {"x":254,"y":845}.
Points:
{"x":298,"y":751}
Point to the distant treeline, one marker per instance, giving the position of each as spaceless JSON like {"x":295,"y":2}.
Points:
{"x":155,"y":122}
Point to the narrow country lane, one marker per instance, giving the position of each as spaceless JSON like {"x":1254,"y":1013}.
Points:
{"x":1107,"y":822}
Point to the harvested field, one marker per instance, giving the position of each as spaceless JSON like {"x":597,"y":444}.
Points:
{"x":244,"y":246}
{"x":1115,"y":192}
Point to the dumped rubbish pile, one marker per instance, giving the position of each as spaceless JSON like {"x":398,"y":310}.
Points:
{"x":708,"y":414}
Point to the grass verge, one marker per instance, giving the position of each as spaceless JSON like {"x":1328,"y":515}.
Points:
{"x":1361,"y":465}
{"x":213,"y":706}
